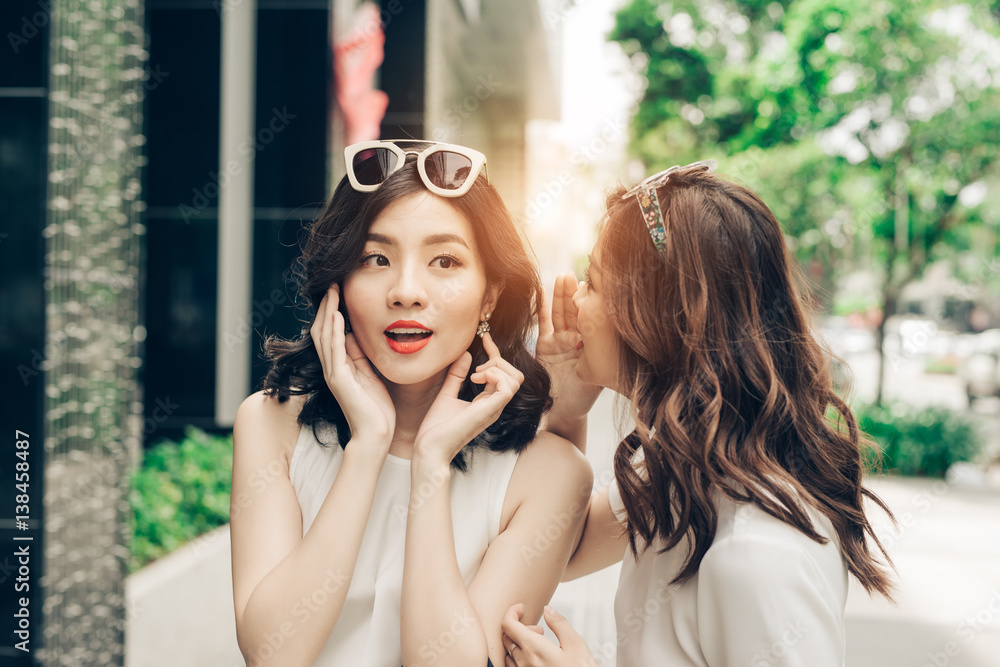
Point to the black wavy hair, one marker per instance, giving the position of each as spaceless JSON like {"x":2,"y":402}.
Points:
{"x":333,"y":249}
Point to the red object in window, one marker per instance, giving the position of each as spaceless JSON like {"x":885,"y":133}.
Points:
{"x":356,"y":58}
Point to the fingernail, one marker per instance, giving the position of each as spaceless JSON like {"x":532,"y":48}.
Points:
{"x":549,"y":610}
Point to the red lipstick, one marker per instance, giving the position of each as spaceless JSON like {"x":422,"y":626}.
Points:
{"x":407,"y":336}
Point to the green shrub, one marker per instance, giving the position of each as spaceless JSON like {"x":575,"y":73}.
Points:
{"x":919,"y":442}
{"x":181,"y":491}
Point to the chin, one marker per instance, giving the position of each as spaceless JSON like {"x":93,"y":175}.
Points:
{"x":404,"y":377}
{"x":584,"y":375}
{"x":409,"y":374}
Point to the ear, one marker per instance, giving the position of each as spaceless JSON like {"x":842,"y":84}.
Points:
{"x":491,"y":297}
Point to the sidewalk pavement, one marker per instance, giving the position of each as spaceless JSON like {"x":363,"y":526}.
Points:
{"x":946,"y":549}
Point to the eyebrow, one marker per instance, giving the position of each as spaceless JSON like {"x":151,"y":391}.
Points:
{"x":433,"y":239}
{"x":593,"y":263}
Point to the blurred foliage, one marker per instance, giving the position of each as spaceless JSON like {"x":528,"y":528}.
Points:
{"x":181,"y":491}
{"x":924,"y":441}
{"x":860,"y":122}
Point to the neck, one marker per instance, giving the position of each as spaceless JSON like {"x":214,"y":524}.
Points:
{"x":411,"y":401}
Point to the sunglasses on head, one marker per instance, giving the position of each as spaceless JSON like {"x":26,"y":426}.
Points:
{"x":649,"y":201}
{"x":447,"y":170}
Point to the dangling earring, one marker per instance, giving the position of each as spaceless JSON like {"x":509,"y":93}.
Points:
{"x":484,"y":326}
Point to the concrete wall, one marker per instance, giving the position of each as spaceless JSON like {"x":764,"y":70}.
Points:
{"x":180,"y":608}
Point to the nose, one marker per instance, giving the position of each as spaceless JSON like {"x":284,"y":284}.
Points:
{"x":408,"y":289}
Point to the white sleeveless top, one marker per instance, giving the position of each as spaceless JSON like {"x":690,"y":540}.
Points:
{"x":367,"y":633}
{"x":765,"y":594}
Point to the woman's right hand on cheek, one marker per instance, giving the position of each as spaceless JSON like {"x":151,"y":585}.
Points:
{"x":557,"y":350}
{"x":350,"y":376}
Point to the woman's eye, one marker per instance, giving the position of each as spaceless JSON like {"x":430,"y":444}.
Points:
{"x":447,"y":262}
{"x":375,"y":259}
{"x":586,"y":277}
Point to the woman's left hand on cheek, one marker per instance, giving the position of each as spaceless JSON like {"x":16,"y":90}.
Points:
{"x":451,"y":423}
{"x":526,"y":648}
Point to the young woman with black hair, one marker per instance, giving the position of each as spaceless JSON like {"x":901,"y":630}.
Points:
{"x":389,"y":483}
{"x":737,"y":503}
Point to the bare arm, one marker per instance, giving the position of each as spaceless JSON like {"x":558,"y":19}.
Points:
{"x":284,"y":583}
{"x":461,"y":626}
{"x":552,"y":482}
{"x":603,"y":542}
{"x":288,"y":588}
{"x":439,"y":625}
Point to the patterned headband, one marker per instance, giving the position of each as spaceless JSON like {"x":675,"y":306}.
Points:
{"x":649,"y":202}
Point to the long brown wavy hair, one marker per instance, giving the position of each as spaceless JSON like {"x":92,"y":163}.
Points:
{"x":719,"y":360}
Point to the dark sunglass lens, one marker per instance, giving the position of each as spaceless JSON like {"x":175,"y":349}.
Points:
{"x":373,"y":165}
{"x":447,"y":170}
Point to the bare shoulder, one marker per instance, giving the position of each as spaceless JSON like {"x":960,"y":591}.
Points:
{"x":266,"y":420}
{"x":550,"y":470}
{"x":549,"y":449}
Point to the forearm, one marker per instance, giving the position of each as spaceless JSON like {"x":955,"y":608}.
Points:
{"x":293,"y":610}
{"x":439,"y":623}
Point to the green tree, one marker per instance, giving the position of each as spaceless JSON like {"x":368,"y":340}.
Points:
{"x":860,"y":122}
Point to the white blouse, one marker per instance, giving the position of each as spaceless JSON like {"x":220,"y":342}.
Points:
{"x":765,"y":595}
{"x":367,"y":633}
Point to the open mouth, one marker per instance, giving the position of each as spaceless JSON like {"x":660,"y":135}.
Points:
{"x":407,"y":337}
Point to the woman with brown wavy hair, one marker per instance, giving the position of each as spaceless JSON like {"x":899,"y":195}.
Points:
{"x":737,"y":502}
